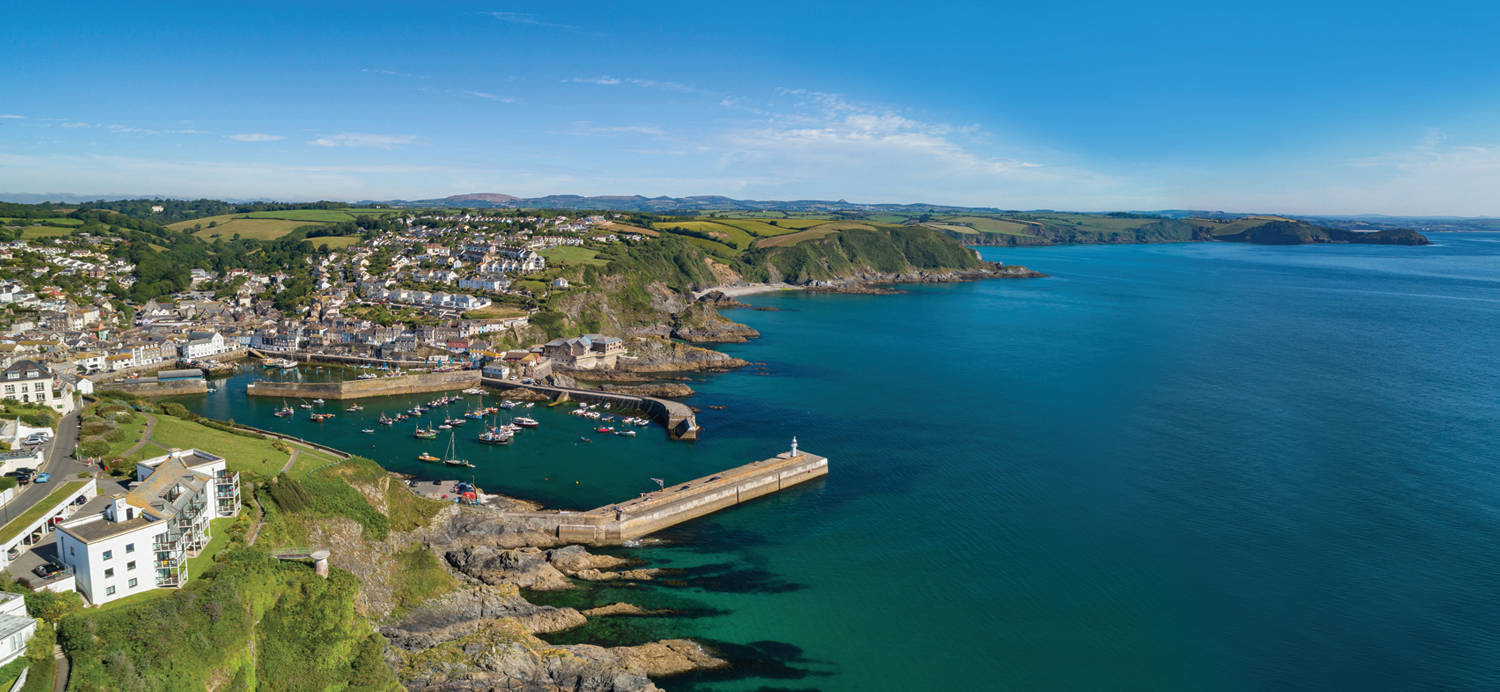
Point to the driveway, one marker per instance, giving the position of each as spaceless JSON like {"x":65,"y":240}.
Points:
{"x":59,"y":462}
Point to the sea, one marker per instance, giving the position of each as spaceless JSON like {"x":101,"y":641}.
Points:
{"x":1163,"y":467}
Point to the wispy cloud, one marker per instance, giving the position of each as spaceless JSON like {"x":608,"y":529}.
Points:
{"x":390,"y":73}
{"x":255,"y":137}
{"x":79,"y":125}
{"x":529,"y":19}
{"x":606,"y":80}
{"x":11,"y":116}
{"x":602,"y":80}
{"x":584,"y":127}
{"x":490,"y":97}
{"x":364,"y":140}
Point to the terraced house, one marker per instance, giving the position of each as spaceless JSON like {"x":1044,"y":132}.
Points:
{"x":31,"y":382}
{"x":142,"y":539}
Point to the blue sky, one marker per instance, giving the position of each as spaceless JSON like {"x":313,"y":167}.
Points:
{"x":1308,"y":107}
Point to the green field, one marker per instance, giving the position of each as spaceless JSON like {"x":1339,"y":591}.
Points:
{"x":568,"y":254}
{"x":32,"y":232}
{"x":759,"y":228}
{"x":800,"y":224}
{"x":335,"y":242}
{"x":329,"y":215}
{"x":230,"y":224}
{"x":952,"y":228}
{"x":813,"y":233}
{"x":985,"y":224}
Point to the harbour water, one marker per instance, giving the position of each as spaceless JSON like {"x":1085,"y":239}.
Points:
{"x":1193,"y":466}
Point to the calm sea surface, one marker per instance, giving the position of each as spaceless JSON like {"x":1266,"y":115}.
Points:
{"x":1195,"y":466}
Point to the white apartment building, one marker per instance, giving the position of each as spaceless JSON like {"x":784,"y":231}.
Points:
{"x":16,"y":627}
{"x":203,"y":345}
{"x":143,"y":538}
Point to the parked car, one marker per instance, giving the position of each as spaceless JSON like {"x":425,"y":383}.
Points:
{"x":47,"y":569}
{"x":43,"y":477}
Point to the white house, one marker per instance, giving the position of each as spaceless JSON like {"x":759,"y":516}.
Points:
{"x":203,"y":345}
{"x":143,"y":538}
{"x":30,"y":382}
{"x":16,"y":627}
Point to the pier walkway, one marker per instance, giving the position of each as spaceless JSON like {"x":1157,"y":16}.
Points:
{"x":650,"y":512}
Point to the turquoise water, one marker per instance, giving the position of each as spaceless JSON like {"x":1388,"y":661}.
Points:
{"x":1197,"y":466}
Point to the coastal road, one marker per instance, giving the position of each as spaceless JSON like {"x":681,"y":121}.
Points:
{"x":58,"y":461}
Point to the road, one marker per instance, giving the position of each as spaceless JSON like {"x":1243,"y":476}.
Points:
{"x":59,"y":462}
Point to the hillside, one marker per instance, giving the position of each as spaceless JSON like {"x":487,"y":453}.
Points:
{"x":1057,"y":228}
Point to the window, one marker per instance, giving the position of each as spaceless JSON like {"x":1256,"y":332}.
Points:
{"x":10,"y":389}
{"x":130,"y":565}
{"x":133,"y":581}
{"x":109,"y":573}
{"x":129,"y":547}
{"x":110,"y":591}
{"x":109,"y":554}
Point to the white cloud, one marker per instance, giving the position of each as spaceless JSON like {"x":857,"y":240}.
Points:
{"x":255,"y":137}
{"x":584,"y":127}
{"x":602,"y":80}
{"x":78,"y":125}
{"x":11,"y":116}
{"x":362,"y":139}
{"x":528,"y":20}
{"x":490,"y":97}
{"x":827,"y":146}
{"x":606,"y":80}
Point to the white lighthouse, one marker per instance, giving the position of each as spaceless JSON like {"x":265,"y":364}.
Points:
{"x":794,"y":447}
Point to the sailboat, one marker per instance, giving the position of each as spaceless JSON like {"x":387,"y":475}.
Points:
{"x":453,"y":460}
{"x":284,"y":411}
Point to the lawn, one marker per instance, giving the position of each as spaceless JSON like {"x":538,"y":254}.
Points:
{"x":13,"y":529}
{"x":568,"y":254}
{"x":137,"y":599}
{"x":251,"y":455}
{"x":133,"y":431}
{"x":218,"y":531}
{"x":331,"y":215}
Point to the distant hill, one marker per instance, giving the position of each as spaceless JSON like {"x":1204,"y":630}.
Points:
{"x":666,"y":205}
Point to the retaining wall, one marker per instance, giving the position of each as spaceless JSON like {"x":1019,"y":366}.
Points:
{"x":359,"y":389}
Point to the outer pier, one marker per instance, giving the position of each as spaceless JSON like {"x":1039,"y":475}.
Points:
{"x":674,"y":504}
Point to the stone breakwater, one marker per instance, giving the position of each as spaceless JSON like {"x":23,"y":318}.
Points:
{"x":620,"y":522}
{"x":359,"y":389}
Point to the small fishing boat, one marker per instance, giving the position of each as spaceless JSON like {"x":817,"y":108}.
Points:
{"x":424,"y":456}
{"x":456,"y":421}
{"x":426,"y":434}
{"x":496,"y":436}
{"x":317,"y":401}
{"x":320,"y":417}
{"x":368,"y":376}
{"x":525,"y":422}
{"x":367,"y":430}
{"x":284,"y":411}
{"x":355,"y":407}
{"x":584,"y":439}
{"x":625,"y":433}
{"x":385,"y":421}
{"x":604,"y":429}
{"x":305,"y":405}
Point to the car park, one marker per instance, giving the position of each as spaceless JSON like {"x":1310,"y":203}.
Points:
{"x":47,"y":569}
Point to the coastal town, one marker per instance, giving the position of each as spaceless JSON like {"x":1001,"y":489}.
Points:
{"x":99,"y":508}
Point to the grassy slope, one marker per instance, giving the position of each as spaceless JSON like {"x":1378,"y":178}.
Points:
{"x":568,"y":254}
{"x":230,"y":224}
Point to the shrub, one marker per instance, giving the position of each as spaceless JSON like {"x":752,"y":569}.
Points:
{"x":53,"y":606}
{"x":173,"y":408}
{"x":37,"y":420}
{"x":93,"y":447}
